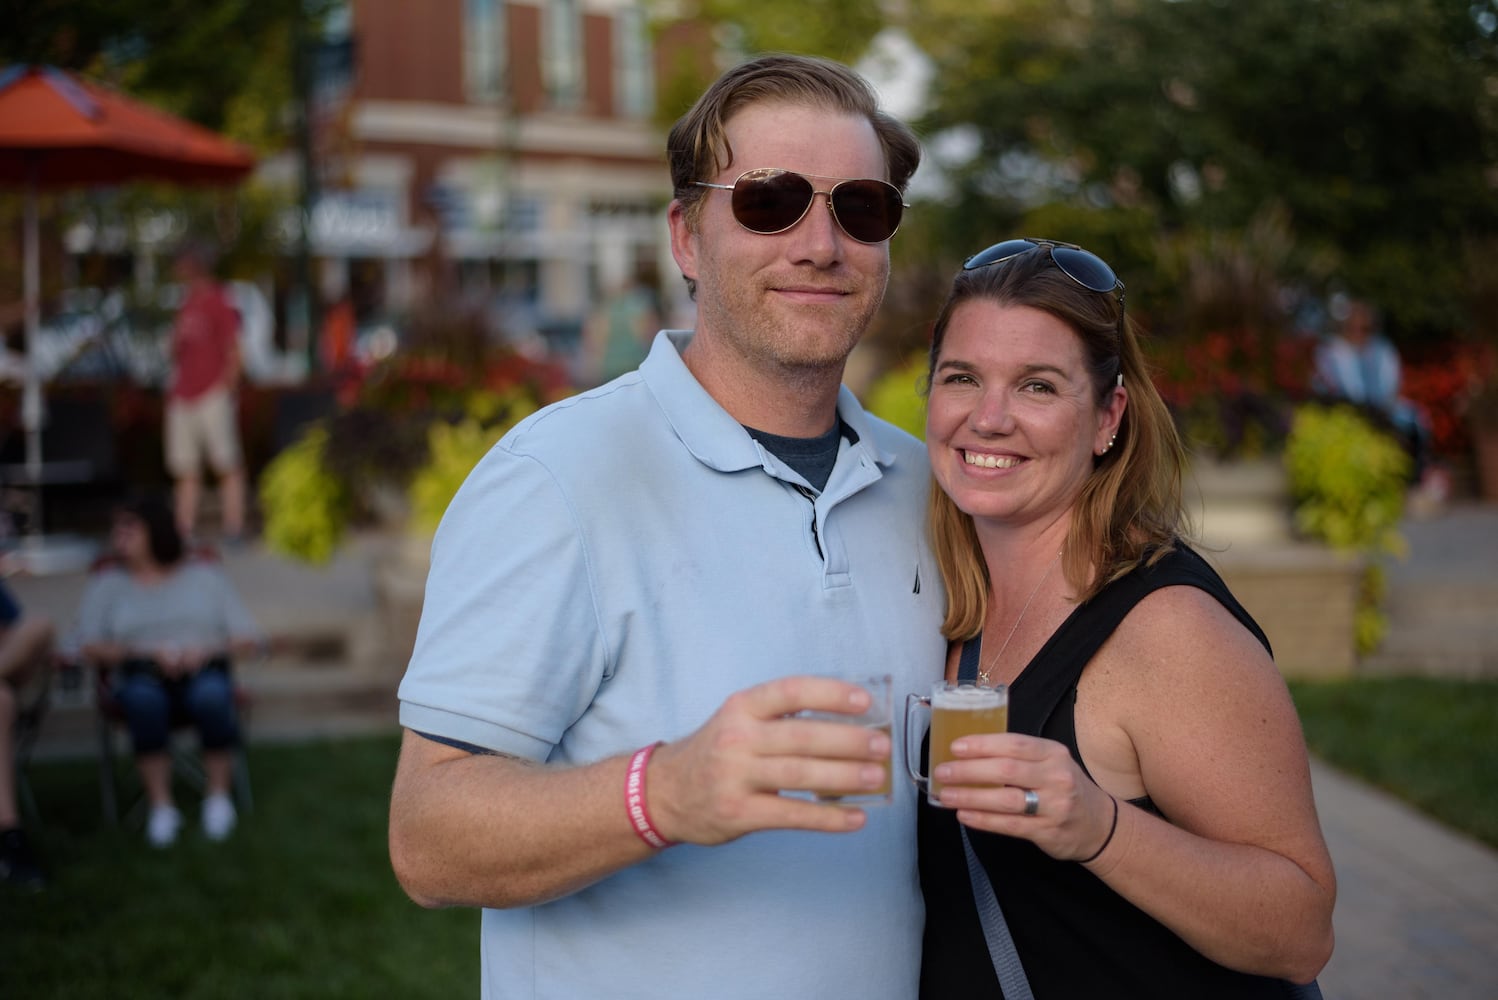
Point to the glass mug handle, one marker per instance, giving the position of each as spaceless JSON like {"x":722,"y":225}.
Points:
{"x":913,"y":704}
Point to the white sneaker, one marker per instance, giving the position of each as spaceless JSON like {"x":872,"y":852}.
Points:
{"x":162,"y":826}
{"x":219,"y":816}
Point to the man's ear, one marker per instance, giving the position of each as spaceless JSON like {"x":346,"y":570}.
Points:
{"x":683,"y":240}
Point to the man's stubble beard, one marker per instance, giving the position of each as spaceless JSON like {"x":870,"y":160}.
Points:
{"x":798,"y":347}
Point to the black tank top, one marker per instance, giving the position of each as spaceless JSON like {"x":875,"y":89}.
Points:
{"x":1075,"y":936}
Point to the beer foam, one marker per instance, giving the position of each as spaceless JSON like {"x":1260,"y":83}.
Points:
{"x":969,"y":698}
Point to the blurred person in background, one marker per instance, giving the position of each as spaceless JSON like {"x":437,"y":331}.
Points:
{"x":167,"y":624}
{"x":201,"y":426}
{"x":616,"y":337}
{"x":1356,"y":364}
{"x":25,"y":658}
{"x":335,"y":343}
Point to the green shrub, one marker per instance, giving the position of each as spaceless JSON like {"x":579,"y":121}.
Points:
{"x":454,"y":449}
{"x":347,"y":468}
{"x":1348,"y":479}
{"x":406,"y":433}
{"x":306,"y":507}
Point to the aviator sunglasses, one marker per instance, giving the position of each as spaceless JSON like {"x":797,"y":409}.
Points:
{"x":1085,"y":268}
{"x":768,"y":200}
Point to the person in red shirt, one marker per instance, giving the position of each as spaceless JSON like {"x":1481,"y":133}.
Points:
{"x":201,"y":421}
{"x":338,"y":332}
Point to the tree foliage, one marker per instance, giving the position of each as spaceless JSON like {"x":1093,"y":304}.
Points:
{"x":1373,"y":124}
{"x":838,"y":29}
{"x":226,"y":64}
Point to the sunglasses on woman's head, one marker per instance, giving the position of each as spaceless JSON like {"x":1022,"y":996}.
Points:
{"x":1085,"y":268}
{"x":768,"y":200}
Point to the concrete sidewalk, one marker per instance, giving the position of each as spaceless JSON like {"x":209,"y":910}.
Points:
{"x":1417,"y":912}
{"x":1417,"y":905}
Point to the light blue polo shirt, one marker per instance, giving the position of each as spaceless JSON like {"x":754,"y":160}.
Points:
{"x":616,"y":567}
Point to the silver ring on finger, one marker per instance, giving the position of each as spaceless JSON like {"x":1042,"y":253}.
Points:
{"x":1032,"y":802}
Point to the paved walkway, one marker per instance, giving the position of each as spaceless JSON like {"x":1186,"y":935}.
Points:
{"x":1417,"y":905}
{"x":1442,"y":597}
{"x":1417,"y":913}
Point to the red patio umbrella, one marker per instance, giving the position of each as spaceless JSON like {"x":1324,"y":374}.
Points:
{"x":57,"y":131}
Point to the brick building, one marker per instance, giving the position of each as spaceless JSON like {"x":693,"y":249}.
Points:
{"x":499,"y":153}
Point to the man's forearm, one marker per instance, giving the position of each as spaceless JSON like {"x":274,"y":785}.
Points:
{"x":471,"y":829}
{"x":476,"y":830}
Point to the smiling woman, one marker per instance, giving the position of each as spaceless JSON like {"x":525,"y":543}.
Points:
{"x":1125,"y":810}
{"x":1013,"y":428}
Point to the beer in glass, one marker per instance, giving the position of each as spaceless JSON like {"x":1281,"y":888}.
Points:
{"x":957,"y":710}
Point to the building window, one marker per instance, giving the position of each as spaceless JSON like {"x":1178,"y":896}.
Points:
{"x":562,"y":48}
{"x":636,"y":80}
{"x":526,"y":214}
{"x":484,"y":49}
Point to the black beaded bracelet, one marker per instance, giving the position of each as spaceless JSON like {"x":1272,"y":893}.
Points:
{"x":1106,"y":840}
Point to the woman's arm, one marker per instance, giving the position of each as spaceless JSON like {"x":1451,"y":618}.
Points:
{"x":1184,"y":705}
{"x":1241,"y":871}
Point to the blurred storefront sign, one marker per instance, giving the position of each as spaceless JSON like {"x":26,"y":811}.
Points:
{"x":363,"y":223}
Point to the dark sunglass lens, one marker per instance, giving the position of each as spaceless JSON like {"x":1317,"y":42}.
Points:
{"x":770,"y":201}
{"x":868,"y":210}
{"x":1086,"y":269}
{"x":998,"y":252}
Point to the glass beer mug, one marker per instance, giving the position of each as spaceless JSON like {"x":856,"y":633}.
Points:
{"x":957,"y":710}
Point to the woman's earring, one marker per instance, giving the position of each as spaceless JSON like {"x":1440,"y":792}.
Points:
{"x":1109,"y":445}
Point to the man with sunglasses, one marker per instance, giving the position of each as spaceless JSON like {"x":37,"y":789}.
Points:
{"x":640,"y":592}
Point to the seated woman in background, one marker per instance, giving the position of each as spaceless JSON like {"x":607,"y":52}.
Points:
{"x":1147,"y":822}
{"x":167,"y":624}
{"x":1358,"y":365}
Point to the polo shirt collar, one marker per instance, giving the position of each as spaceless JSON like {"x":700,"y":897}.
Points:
{"x":707,"y":430}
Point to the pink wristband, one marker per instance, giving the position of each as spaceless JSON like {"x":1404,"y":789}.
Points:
{"x":634,"y":799}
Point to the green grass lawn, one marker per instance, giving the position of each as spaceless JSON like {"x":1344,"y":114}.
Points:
{"x":1431,"y":742}
{"x":300,"y":902}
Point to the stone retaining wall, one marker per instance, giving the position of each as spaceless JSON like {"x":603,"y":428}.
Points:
{"x":1305,"y":599}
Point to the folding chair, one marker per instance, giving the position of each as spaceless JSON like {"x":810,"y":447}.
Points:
{"x":33,"y":700}
{"x":110,"y":724}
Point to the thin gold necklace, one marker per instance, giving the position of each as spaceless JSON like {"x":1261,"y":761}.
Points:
{"x":983,"y":673}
